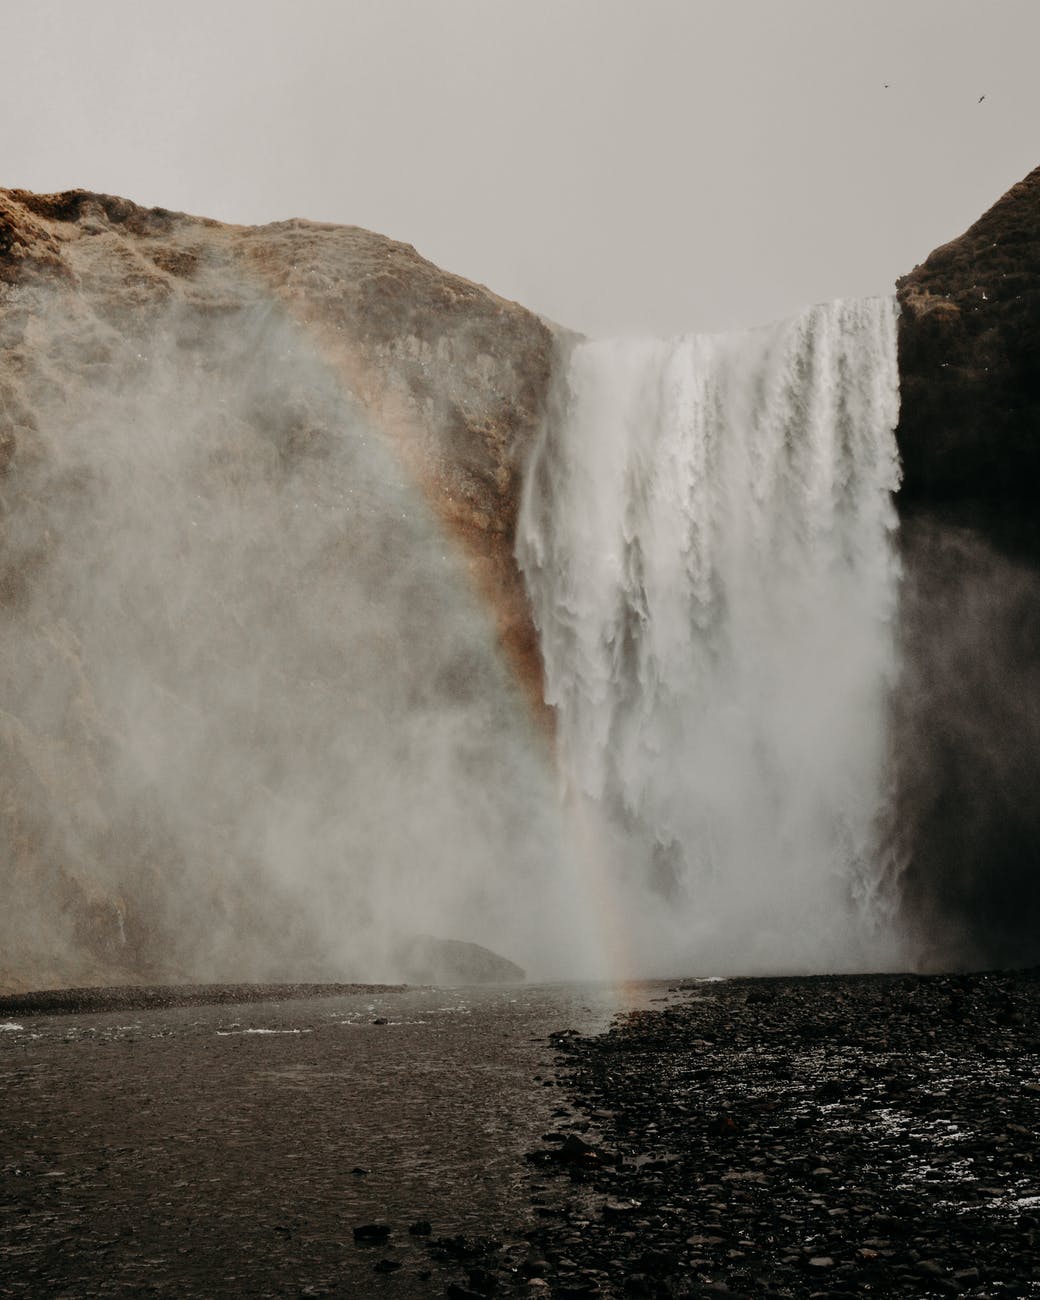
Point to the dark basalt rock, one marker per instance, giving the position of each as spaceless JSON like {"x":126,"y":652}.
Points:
{"x":966,"y":729}
{"x":571,"y":1151}
{"x":969,"y":343}
{"x":966,"y":741}
{"x":372,"y":1234}
{"x":427,"y":960}
{"x":831,"y":1183}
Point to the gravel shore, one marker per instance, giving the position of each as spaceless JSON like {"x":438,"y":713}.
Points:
{"x":824,"y":1137}
{"x":815,"y":1137}
{"x":120,"y":997}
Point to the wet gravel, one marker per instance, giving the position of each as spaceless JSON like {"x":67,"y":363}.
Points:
{"x":826,"y":1137}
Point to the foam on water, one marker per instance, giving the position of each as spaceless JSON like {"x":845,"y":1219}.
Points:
{"x":228,"y":1033}
{"x":707,"y":540}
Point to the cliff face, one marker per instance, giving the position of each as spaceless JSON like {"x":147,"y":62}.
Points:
{"x":458,"y":375}
{"x":302,"y":443}
{"x":967,"y":721}
{"x":969,"y":364}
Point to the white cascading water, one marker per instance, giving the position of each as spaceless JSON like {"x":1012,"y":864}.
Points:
{"x":707,"y":538}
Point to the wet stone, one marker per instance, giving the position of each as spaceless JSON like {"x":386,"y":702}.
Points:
{"x":372,"y":1234}
{"x":797,"y":1142}
{"x":620,"y":1209}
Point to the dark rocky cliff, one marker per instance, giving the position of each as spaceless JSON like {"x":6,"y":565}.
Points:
{"x":967,"y":711}
{"x":969,"y":365}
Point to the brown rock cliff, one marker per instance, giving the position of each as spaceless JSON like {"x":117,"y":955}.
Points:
{"x":290,"y":350}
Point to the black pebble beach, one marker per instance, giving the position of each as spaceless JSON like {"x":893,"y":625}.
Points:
{"x":817,"y":1137}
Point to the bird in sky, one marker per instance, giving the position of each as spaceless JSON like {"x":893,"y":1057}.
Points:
{"x":981,"y":98}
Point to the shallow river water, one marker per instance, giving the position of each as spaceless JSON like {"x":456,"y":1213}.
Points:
{"x":232,"y":1150}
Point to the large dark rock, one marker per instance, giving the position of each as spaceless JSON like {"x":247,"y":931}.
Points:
{"x":424,"y":959}
{"x":966,"y":749}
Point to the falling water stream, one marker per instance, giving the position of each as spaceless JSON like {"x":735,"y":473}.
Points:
{"x":707,"y":541}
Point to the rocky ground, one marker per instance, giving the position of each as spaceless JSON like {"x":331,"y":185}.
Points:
{"x":812,"y":1137}
{"x":802,"y":1137}
{"x":126,"y":997}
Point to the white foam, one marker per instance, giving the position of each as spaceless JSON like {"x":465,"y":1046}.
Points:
{"x":230,"y":1033}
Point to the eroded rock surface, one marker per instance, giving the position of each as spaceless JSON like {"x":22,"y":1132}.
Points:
{"x":458,"y":375}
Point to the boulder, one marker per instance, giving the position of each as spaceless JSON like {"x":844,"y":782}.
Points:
{"x":423,"y":959}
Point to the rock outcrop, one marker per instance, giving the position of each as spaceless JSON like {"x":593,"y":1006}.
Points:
{"x":969,"y":365}
{"x":424,"y":959}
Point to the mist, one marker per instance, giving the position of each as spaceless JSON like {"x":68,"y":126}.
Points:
{"x":965,"y":736}
{"x":262,"y":725}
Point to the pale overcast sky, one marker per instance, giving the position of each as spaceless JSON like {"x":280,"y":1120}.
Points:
{"x":648,"y":165}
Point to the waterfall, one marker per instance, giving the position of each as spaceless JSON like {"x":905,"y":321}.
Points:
{"x":707,"y":539}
